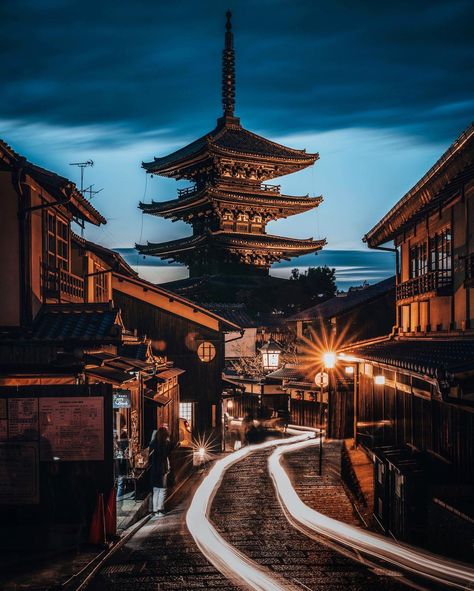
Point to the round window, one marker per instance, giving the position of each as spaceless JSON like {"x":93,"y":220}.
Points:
{"x":206,"y":351}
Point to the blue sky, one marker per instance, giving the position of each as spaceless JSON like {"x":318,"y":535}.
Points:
{"x":378,"y":89}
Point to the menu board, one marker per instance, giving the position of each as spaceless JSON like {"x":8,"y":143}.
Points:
{"x":23,"y":418}
{"x":19,"y":473}
{"x":72,"y":428}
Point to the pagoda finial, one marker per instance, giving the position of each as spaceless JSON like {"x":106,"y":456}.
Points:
{"x":228,"y":70}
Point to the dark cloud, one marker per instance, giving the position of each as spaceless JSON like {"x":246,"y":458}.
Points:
{"x":147,"y":66}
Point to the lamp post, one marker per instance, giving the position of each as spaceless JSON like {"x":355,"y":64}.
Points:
{"x":328,"y":362}
{"x":270,"y":353}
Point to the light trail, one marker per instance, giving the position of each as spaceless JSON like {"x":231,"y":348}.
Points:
{"x":414,"y":560}
{"x":233,"y":564}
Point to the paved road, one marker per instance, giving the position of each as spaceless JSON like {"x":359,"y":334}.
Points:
{"x":246,"y":512}
{"x":163,"y":555}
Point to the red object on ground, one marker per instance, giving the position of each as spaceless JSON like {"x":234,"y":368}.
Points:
{"x":111,"y":513}
{"x":97,"y":530}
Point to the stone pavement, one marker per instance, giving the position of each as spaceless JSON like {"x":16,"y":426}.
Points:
{"x":162,"y":556}
{"x":247,"y":513}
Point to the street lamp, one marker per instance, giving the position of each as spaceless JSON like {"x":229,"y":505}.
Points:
{"x":270,"y":353}
{"x":329,"y":359}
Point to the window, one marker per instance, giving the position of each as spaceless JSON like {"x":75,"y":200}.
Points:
{"x":206,"y":351}
{"x":441,"y":255}
{"x":186,"y":411}
{"x":57,"y":242}
{"x":418,"y":260}
{"x":101,"y":284}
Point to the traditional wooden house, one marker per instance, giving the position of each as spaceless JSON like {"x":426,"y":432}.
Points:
{"x":415,"y":395}
{"x":228,"y":203}
{"x":73,"y":379}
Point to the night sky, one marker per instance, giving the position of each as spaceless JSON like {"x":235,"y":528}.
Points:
{"x":378,"y":89}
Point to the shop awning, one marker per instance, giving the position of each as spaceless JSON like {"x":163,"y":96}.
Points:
{"x":158,"y":399}
{"x":110,"y":375}
{"x":167,"y":374}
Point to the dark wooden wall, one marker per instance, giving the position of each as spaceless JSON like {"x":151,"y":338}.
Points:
{"x":178,"y":339}
{"x":390,"y":416}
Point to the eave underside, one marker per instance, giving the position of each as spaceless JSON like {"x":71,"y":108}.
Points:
{"x":182,"y":208}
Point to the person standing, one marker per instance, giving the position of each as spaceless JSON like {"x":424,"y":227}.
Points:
{"x":160,"y":449}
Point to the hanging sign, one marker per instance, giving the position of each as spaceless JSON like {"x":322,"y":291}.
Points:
{"x":121,"y":399}
{"x":322,"y":379}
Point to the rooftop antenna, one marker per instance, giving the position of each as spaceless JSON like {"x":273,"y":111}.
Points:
{"x":82,"y":166}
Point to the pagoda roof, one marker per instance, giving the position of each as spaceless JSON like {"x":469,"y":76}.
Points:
{"x":233,"y":140}
{"x":208,"y":195}
{"x":240,"y":241}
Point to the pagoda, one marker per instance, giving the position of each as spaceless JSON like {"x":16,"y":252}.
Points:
{"x":229,"y":202}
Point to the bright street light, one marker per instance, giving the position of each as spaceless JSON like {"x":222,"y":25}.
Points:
{"x":329,"y":360}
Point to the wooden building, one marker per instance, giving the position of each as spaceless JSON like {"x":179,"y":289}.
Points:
{"x":228,"y":203}
{"x":66,"y":360}
{"x":360,"y":313}
{"x":415,"y":400}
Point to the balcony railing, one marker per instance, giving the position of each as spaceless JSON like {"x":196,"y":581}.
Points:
{"x":469,"y":270}
{"x":61,"y":285}
{"x":436,"y":281}
{"x":271,"y":188}
{"x":187,"y":191}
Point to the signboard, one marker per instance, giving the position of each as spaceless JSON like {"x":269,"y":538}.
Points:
{"x":322,"y":379}
{"x":72,"y":428}
{"x":121,"y":399}
{"x":19,"y":483}
{"x":23,"y":418}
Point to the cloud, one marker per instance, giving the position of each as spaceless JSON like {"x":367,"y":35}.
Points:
{"x":141,"y":68}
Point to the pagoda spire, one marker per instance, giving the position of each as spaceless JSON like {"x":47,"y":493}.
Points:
{"x":228,"y":70}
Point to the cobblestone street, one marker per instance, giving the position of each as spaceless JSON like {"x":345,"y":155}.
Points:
{"x":163,"y":555}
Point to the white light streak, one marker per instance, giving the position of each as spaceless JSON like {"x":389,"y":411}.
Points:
{"x":228,"y":560}
{"x":415,"y":560}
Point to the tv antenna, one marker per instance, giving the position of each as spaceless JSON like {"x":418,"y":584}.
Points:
{"x":88,"y":192}
{"x":82,"y":166}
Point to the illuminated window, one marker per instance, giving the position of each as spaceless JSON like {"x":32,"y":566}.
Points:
{"x":186,"y":411}
{"x":206,"y":351}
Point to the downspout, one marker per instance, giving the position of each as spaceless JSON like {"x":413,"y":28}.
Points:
{"x":23,"y":242}
{"x":397,"y":278}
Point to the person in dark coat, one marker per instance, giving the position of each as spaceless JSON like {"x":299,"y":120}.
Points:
{"x":160,"y":449}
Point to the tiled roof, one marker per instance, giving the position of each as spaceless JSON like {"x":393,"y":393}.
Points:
{"x":235,"y":139}
{"x":433,"y":357}
{"x":81,"y":322}
{"x":58,"y":186}
{"x":451,"y":165}
{"x":340,"y":304}
{"x":233,"y":239}
{"x":236,"y":313}
{"x":296,"y":373}
{"x":113,"y":259}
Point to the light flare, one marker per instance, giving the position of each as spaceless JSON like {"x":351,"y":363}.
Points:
{"x":232,"y":563}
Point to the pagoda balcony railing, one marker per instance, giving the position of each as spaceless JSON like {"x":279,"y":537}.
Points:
{"x":187,"y":191}
{"x":62,"y":285}
{"x":469,"y":270}
{"x":436,"y":282}
{"x":271,"y":188}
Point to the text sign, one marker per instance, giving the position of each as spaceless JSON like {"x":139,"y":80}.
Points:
{"x":72,"y":428}
{"x":121,"y":399}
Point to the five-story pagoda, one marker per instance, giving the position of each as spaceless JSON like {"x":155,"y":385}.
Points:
{"x":229,"y":203}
